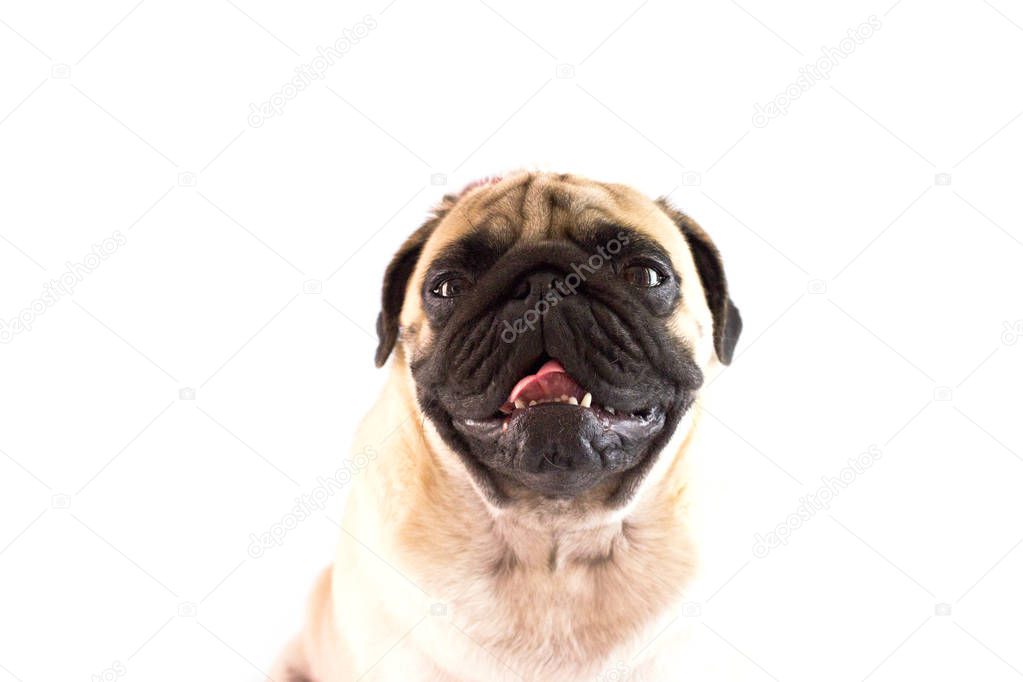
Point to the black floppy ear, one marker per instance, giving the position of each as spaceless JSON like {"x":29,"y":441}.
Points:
{"x":727,"y":321}
{"x":396,"y":279}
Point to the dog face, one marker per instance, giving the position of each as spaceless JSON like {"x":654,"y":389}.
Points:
{"x":556,"y":330}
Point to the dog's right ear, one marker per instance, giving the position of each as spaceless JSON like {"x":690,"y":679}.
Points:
{"x":396,"y":280}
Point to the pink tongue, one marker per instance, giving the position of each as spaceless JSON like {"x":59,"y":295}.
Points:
{"x":550,"y":381}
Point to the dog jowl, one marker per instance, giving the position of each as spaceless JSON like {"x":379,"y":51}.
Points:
{"x":554,"y":330}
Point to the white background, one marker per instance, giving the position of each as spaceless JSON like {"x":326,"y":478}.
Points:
{"x":882,"y":304}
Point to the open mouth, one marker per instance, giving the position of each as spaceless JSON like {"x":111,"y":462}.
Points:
{"x":551,"y":384}
{"x":554,"y":436}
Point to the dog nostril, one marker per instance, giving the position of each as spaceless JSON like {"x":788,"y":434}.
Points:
{"x":536,"y":284}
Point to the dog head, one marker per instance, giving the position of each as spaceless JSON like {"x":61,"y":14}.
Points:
{"x":556,"y":330}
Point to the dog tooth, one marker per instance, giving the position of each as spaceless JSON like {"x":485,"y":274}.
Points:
{"x":610,"y":409}
{"x":519,"y":403}
{"x":532,"y":402}
{"x":573,"y":400}
{"x":587,"y":399}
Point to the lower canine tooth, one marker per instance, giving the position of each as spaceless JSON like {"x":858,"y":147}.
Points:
{"x":532,"y":402}
{"x":519,"y":403}
{"x":587,"y":399}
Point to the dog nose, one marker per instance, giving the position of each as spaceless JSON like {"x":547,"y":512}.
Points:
{"x":536,"y":284}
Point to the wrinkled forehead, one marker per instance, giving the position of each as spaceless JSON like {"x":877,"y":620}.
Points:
{"x":537,"y":206}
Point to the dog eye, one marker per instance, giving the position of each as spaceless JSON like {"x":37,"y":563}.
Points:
{"x":451,"y":287}
{"x":642,"y":276}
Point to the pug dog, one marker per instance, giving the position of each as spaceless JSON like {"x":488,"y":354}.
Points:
{"x":524,"y":508}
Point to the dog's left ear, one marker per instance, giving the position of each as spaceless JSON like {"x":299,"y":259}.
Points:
{"x":396,"y":278}
{"x":727,"y":322}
